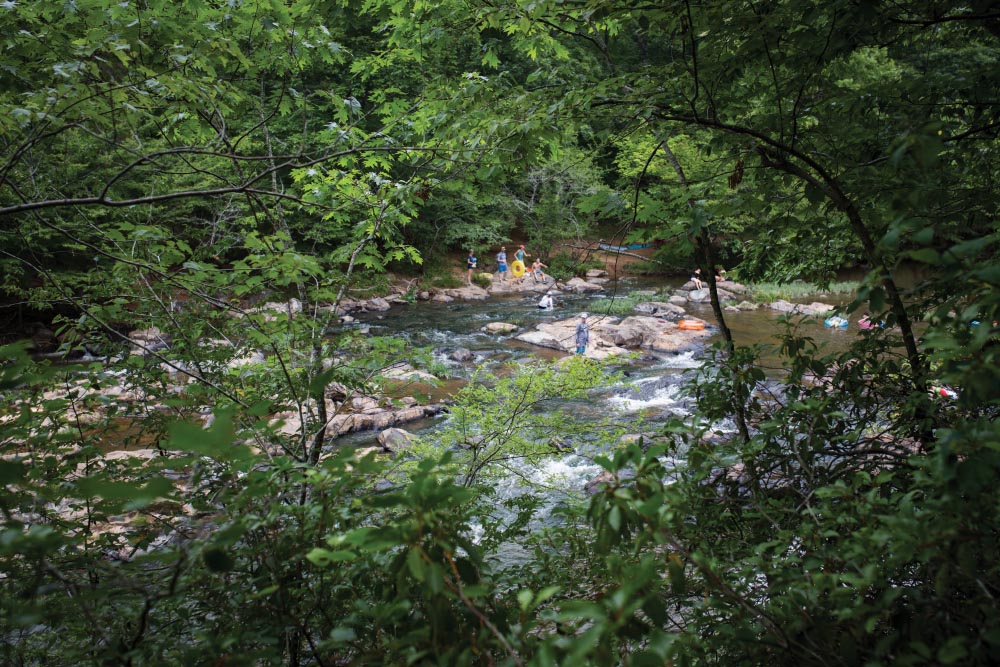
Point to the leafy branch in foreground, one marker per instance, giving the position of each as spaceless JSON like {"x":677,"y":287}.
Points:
{"x":504,"y":425}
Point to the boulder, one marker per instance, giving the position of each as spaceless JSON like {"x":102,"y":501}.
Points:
{"x":782,"y":306}
{"x":336,"y":391}
{"x":395,"y":439}
{"x":254,"y":358}
{"x":402,"y":371}
{"x":362,"y":403}
{"x":442,"y":298}
{"x":580,"y":285}
{"x":377,"y":304}
{"x":629,"y":333}
{"x":347,"y":305}
{"x":678,"y":300}
{"x":499,"y":327}
{"x":595,"y":485}
{"x":702,"y":295}
{"x":659,"y":309}
{"x":609,"y":337}
{"x":462,"y":354}
{"x":467,"y":293}
{"x":362,"y":452}
{"x":725,"y":295}
{"x":734,"y":287}
{"x":814,"y":308}
{"x":597,"y":273}
{"x":148,"y":340}
{"x":543,"y":337}
{"x":290,"y":307}
{"x":379,"y":420}
{"x":409,"y":414}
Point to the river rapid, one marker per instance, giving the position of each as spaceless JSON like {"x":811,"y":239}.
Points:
{"x":650,"y":394}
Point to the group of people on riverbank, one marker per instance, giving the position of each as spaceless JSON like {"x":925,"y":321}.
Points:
{"x":518,"y":269}
{"x":537,"y":271}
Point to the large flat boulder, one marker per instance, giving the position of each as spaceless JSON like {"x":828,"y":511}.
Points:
{"x":581,"y":285}
{"x":469,"y":293}
{"x":611,"y":337}
{"x":659,"y":309}
{"x":814,"y":308}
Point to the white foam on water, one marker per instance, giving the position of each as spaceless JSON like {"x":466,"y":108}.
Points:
{"x":683,"y":360}
{"x":570,"y":472}
{"x":662,"y":397}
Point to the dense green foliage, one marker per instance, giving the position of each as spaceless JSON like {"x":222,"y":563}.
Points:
{"x":172,"y":166}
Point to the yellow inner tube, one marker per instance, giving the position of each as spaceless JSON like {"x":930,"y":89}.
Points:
{"x":517,"y":268}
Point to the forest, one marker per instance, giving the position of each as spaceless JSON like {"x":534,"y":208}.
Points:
{"x":172,"y":166}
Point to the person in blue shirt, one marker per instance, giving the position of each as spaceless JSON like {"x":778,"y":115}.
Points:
{"x":470,"y":264}
{"x":502,"y":264}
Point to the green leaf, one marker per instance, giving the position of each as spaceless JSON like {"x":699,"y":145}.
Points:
{"x":925,"y":256}
{"x":215,"y":442}
{"x":415,"y":563}
{"x":12,"y":472}
{"x":218,"y":559}
{"x":319,"y":556}
{"x":952,"y":651}
{"x":615,"y":518}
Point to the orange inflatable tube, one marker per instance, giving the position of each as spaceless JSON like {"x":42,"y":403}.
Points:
{"x":691,"y":325}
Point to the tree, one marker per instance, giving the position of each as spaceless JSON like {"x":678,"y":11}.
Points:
{"x":851,"y":518}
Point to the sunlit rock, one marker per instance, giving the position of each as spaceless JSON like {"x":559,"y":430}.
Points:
{"x":395,"y":439}
{"x":378,"y":304}
{"x":499,"y":327}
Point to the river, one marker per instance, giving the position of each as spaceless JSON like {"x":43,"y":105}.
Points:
{"x":652,"y":392}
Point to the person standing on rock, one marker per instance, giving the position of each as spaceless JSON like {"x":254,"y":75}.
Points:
{"x":519,"y":256}
{"x":470,"y":264}
{"x":502,"y":264}
{"x":582,"y":334}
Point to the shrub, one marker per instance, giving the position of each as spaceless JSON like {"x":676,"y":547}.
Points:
{"x":565,"y":265}
{"x":647,"y":268}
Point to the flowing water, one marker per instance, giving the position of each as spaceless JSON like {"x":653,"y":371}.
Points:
{"x":652,"y":392}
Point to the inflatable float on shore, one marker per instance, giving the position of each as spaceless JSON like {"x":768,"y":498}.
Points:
{"x":690,"y":325}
